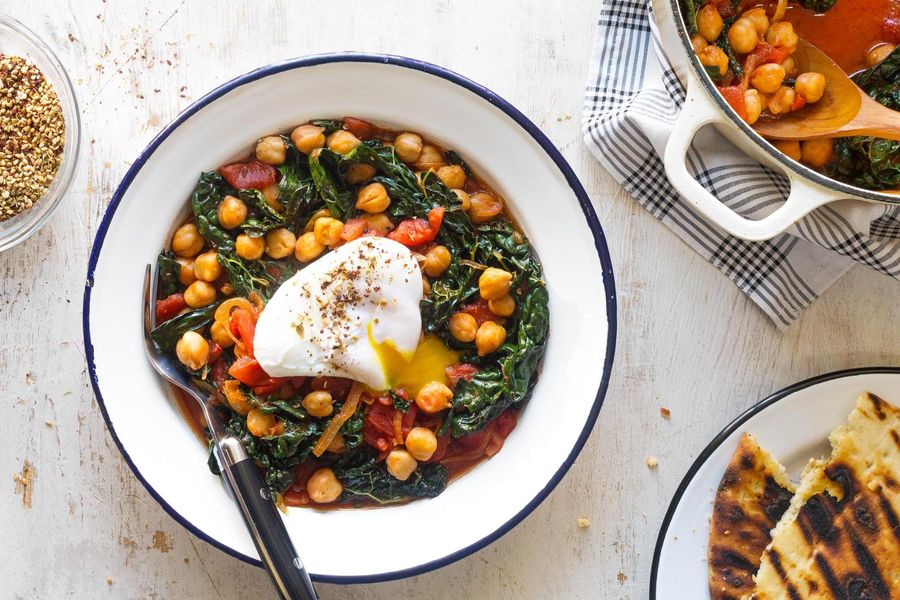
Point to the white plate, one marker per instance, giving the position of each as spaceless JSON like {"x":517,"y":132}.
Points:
{"x":793,"y":425}
{"x":503,"y":146}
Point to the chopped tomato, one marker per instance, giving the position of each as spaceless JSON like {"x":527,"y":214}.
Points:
{"x":767,"y":53}
{"x":361,"y":129}
{"x":215,"y":351}
{"x":353,"y":229}
{"x":247,"y":370}
{"x":243,"y":325}
{"x":798,"y":102}
{"x":274,"y":386}
{"x":218,"y":371}
{"x":168,"y":307}
{"x":443,"y":442}
{"x":415,"y":232}
{"x":890,"y":29}
{"x":473,"y":441}
{"x":253,"y":175}
{"x":734,"y":96}
{"x":460,"y":371}
{"x":481,"y":311}
{"x":378,"y":427}
{"x":337,"y":386}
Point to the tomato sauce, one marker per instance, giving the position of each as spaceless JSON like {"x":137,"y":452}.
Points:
{"x":847,"y":32}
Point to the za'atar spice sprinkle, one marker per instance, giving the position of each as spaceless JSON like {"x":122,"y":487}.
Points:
{"x":32,"y":135}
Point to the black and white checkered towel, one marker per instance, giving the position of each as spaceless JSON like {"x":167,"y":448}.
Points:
{"x":632,"y":99}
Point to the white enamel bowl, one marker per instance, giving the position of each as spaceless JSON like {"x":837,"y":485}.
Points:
{"x":503,"y":146}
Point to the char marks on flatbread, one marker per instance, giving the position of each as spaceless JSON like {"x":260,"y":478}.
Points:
{"x":752,"y":496}
{"x":840,"y":539}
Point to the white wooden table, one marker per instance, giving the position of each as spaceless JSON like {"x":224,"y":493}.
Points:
{"x":688,"y":339}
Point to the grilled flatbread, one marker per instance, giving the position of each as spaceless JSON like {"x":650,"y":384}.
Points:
{"x":754,"y":493}
{"x":840,"y":539}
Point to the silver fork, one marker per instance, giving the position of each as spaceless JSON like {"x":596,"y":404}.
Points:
{"x":238,"y":471}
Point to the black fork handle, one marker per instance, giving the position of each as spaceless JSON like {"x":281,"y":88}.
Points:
{"x":264,"y":523}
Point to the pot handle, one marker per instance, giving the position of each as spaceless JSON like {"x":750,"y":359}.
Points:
{"x":700,"y":110}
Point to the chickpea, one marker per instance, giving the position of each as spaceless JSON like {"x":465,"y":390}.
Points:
{"x":453,"y":176}
{"x":220,"y":336}
{"x":464,"y":199}
{"x":186,"y":273}
{"x":810,"y":86}
{"x":790,"y":148}
{"x":781,"y":101}
{"x":713,"y":56}
{"x":280,"y":243}
{"x":338,"y":444}
{"x":463,"y":327}
{"x":249,"y":248}
{"x":373,"y":198}
{"x":429,"y":158}
{"x":698,"y":43}
{"x":260,"y":423}
{"x":767,"y":78}
{"x":709,"y":23}
{"x":817,"y":153}
{"x":436,"y":261}
{"x":308,"y":137}
{"x":434,"y":397}
{"x":311,"y":224}
{"x":484,"y":207}
{"x":742,"y":36}
{"x":489,"y":338}
{"x":232,"y":212}
{"x":401,"y":464}
{"x":759,"y":18}
{"x":790,"y":66}
{"x":782,"y":34}
{"x":342,"y":142}
{"x":379,"y":222}
{"x":270,"y":194}
{"x":199,"y":294}
{"x":323,"y":486}
{"x":207,"y":267}
{"x":494,"y":283}
{"x":318,"y":403}
{"x":271,"y":150}
{"x":421,"y":443}
{"x":407,"y":147}
{"x":192,"y":350}
{"x":753,"y":105}
{"x":187,"y":241}
{"x":307,"y":248}
{"x":503,"y":307}
{"x":359,"y":172}
{"x":879,"y":53}
{"x":328,"y":231}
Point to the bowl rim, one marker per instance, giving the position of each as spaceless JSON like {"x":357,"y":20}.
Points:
{"x":748,"y":131}
{"x":525,"y":123}
{"x":726,"y":432}
{"x":71,"y":156}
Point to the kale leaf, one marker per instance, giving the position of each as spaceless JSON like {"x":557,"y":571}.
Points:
{"x":366,"y":478}
{"x":689,"y":12}
{"x":819,"y":6}
{"x":262,"y":218}
{"x":865,"y":161}
{"x":326,"y":176}
{"x":168,"y":269}
{"x":296,"y":190}
{"x":166,"y":335}
{"x":330,"y":125}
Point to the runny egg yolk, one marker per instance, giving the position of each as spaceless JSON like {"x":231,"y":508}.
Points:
{"x":428,"y":363}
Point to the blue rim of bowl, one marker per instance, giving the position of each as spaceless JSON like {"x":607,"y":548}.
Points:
{"x":731,"y":428}
{"x":515,"y":115}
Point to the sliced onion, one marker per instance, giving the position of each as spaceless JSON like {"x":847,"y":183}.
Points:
{"x":223,"y":316}
{"x":398,"y":428}
{"x":338,"y":420}
{"x":779,"y":11}
{"x":235,"y":397}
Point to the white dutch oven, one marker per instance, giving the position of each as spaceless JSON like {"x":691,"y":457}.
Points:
{"x":705,"y":106}
{"x":516,"y":159}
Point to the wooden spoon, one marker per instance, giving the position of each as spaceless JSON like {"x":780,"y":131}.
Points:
{"x":843,"y":110}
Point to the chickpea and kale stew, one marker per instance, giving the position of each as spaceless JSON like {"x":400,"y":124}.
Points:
{"x":328,"y":184}
{"x":746,"y":47}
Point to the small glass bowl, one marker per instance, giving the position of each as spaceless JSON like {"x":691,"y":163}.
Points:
{"x":18,"y":40}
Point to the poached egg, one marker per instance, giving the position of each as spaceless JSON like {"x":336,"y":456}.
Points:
{"x":353,"y":313}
